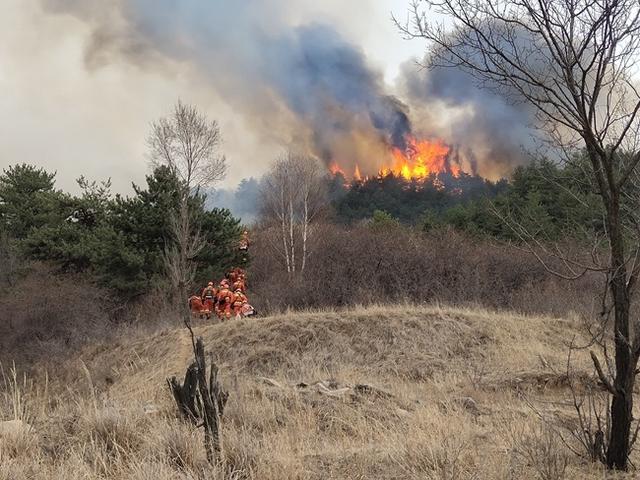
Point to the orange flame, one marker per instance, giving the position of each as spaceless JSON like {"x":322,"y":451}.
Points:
{"x":335,"y":169}
{"x":356,"y":174}
{"x":420,"y":159}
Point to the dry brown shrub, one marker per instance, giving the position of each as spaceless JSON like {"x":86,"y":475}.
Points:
{"x":112,"y":434}
{"x":540,"y":448}
{"x":47,"y":315}
{"x":360,"y":265}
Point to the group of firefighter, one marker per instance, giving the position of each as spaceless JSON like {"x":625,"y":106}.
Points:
{"x":227,"y":299}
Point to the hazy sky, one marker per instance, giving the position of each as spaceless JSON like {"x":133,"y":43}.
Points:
{"x":57,"y":113}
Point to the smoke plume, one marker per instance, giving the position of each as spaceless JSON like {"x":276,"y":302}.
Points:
{"x":490,"y":133}
{"x":301,"y":84}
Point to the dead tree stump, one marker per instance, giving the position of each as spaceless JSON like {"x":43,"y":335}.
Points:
{"x":185,"y":394}
{"x":200,"y":401}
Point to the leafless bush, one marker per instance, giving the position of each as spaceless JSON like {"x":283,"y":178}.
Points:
{"x":541,"y":449}
{"x":363,"y":265}
{"x":586,"y":434}
{"x":116,"y":433}
{"x":44,"y":313}
{"x":593,"y":425}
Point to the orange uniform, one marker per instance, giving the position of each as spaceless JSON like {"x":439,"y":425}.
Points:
{"x":239,"y":285}
{"x":197,"y":307}
{"x":235,"y":275}
{"x":225,"y":302}
{"x":209,"y":297}
{"x":239,"y":300}
{"x":244,"y":241}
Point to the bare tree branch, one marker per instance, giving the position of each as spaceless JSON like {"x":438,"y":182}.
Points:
{"x":187,"y":144}
{"x":574,"y":62}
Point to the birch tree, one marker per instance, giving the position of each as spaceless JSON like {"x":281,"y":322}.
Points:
{"x":187,"y":143}
{"x":293,"y":194}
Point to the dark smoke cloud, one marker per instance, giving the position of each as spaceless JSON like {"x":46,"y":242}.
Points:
{"x":305,"y":84}
{"x":314,"y":69}
{"x":258,"y":62}
{"x":490,"y":132}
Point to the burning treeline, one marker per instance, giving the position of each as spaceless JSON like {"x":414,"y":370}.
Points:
{"x":418,"y":161}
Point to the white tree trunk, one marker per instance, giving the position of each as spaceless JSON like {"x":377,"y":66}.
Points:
{"x":282,"y":215}
{"x":305,"y":229}
{"x":291,"y":233}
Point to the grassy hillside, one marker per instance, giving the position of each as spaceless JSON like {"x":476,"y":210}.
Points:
{"x":456,"y":394}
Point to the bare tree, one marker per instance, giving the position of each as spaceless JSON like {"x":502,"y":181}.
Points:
{"x":313,"y":196}
{"x":187,"y":143}
{"x":574,"y":62}
{"x":293,"y":194}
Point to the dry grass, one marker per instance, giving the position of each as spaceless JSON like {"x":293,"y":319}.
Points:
{"x":462,"y":382}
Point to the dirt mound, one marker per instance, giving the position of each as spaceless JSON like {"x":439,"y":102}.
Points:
{"x":407,"y":343}
{"x":383,"y":392}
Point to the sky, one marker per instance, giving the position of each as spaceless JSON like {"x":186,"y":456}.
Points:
{"x":62,"y":112}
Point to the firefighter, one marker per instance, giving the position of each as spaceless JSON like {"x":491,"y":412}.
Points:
{"x":239,"y":300}
{"x":208,"y":297}
{"x":196,"y":307}
{"x":225,"y":301}
{"x":239,"y":285}
{"x":235,"y":275}
{"x":244,"y":242}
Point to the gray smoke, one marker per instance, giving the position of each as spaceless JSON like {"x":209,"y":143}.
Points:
{"x":302,"y":84}
{"x":490,"y":133}
{"x":257,"y":62}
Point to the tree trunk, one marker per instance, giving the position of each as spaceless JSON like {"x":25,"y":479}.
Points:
{"x":199,"y":401}
{"x":622,"y":403}
{"x":283,"y":215}
{"x":185,"y":394}
{"x":211,"y":416}
{"x":291,"y":237}
{"x":621,"y":418}
{"x":305,"y":227}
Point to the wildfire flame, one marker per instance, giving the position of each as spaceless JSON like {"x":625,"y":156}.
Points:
{"x":356,"y":173}
{"x":335,"y":169}
{"x":421,"y":159}
{"x":418,"y":161}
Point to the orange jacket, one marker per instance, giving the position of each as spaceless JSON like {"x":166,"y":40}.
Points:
{"x":239,"y":300}
{"x":209,"y":292}
{"x":225,"y":295}
{"x":195,"y":304}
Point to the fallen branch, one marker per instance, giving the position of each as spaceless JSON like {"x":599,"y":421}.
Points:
{"x":605,"y":381}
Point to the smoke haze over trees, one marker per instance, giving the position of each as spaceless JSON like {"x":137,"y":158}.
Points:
{"x":303,"y":84}
{"x":243,"y":201}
